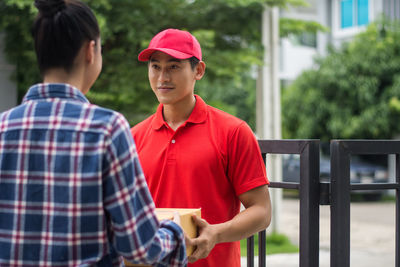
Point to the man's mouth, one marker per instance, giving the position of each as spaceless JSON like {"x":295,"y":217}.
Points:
{"x":164,"y":87}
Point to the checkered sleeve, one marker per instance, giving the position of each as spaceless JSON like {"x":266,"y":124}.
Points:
{"x":135,"y":231}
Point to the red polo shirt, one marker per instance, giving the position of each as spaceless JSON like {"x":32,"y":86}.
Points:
{"x":206,"y":163}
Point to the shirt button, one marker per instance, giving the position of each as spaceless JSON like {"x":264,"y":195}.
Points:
{"x":173,"y":141}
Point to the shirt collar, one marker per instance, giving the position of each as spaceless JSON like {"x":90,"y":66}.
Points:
{"x":54,"y":90}
{"x":198,"y":115}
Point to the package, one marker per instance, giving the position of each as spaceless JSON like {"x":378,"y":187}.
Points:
{"x":186,"y":222}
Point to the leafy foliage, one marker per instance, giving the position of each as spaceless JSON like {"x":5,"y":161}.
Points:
{"x":275,"y":243}
{"x":295,"y":26}
{"x":352,"y":93}
{"x":228,"y":30}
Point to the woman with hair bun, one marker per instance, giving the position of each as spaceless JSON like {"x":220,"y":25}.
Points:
{"x":72,"y":191}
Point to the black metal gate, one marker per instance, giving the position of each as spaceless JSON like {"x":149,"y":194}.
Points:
{"x":313,"y":193}
{"x":341,"y":150}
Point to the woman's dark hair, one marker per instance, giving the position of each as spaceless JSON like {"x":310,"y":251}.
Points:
{"x":59,"y":31}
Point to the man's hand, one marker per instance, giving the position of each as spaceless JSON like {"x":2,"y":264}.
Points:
{"x":255,"y":217}
{"x":206,"y":240}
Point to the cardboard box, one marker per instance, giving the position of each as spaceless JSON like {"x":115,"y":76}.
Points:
{"x":186,"y":223}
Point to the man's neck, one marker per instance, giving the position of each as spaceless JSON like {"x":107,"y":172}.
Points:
{"x":176,"y":115}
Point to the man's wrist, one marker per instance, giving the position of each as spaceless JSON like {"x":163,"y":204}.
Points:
{"x":221,"y":231}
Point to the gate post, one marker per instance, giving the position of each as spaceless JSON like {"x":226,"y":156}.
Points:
{"x":340,"y":205}
{"x":309,"y":191}
{"x":309,"y":205}
{"x":397,"y":214}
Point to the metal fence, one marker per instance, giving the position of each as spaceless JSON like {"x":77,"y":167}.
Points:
{"x":336,"y":193}
{"x":309,"y":199}
{"x":341,"y":151}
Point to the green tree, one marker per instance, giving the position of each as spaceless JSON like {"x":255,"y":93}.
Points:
{"x":228,"y":30}
{"x":351,"y":93}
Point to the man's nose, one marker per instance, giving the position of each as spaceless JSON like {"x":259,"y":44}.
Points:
{"x":164,"y":76}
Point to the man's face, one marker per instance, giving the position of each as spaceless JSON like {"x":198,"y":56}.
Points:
{"x":172,"y":80}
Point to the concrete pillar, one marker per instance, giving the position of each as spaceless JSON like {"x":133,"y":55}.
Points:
{"x":269,"y":104}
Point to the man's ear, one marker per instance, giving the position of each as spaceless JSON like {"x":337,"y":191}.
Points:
{"x":200,"y":70}
{"x":90,"y":51}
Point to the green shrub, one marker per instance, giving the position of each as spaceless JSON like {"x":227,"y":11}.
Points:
{"x":276,"y":243}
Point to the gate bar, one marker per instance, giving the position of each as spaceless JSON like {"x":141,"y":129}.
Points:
{"x":397,"y":246}
{"x":340,"y":205}
{"x":309,"y":205}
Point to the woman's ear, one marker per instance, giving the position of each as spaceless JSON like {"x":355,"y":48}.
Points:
{"x":90,"y":51}
{"x":200,"y":70}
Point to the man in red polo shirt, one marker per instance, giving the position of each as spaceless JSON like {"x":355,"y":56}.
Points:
{"x":196,"y":156}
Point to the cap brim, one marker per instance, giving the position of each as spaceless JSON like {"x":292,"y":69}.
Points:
{"x":146,"y":54}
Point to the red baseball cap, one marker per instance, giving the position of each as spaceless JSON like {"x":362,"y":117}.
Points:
{"x":176,"y":43}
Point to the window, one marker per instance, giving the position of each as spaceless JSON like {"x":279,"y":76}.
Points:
{"x":304,"y":39}
{"x":353,"y":13}
{"x":349,"y":17}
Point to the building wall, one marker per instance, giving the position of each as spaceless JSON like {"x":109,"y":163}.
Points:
{"x":296,"y":58}
{"x":8,"y":88}
{"x":392,"y":8}
{"x":325,"y":19}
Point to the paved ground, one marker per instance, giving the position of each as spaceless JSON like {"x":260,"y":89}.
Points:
{"x":372,"y":235}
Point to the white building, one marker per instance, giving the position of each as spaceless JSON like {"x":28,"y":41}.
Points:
{"x":8,"y":88}
{"x":343,"y":18}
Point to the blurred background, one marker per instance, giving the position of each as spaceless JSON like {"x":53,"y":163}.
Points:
{"x":229,"y":31}
{"x":338,"y":59}
{"x":336,"y":64}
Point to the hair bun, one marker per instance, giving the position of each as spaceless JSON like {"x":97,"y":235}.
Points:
{"x":49,"y":8}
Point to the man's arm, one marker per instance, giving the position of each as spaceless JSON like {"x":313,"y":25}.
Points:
{"x":255,"y":217}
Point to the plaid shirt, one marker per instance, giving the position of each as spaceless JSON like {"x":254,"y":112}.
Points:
{"x":72,"y":191}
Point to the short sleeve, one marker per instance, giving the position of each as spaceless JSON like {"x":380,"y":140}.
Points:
{"x":246,"y":168}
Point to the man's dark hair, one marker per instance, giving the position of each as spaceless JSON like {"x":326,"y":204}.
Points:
{"x":193,"y":62}
{"x":59,"y":31}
